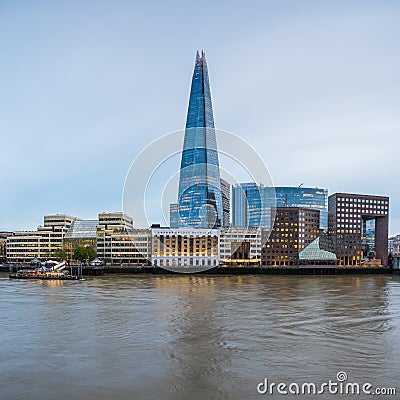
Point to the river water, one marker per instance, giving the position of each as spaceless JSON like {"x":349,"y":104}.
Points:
{"x":195,"y":337}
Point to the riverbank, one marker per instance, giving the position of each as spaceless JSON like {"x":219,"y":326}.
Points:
{"x":309,"y":270}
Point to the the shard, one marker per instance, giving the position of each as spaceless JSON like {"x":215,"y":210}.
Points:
{"x":199,"y":196}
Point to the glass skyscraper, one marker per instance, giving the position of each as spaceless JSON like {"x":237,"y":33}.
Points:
{"x":199,"y":196}
{"x":226,"y":202}
{"x":251,"y":203}
{"x":304,"y":197}
{"x":244,"y":195}
{"x":173,"y":215}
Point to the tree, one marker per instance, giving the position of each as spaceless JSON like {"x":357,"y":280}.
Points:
{"x":60,"y":254}
{"x":83,"y":253}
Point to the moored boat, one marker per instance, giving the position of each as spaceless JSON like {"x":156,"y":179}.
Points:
{"x":43,"y":274}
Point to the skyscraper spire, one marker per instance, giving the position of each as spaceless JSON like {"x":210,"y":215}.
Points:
{"x":200,"y":200}
{"x":200,"y":113}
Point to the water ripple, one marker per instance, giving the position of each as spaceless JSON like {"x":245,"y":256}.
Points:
{"x":180,"y":337}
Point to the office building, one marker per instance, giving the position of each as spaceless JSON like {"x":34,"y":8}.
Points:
{"x":304,"y":197}
{"x":127,"y":248}
{"x":394,"y":245}
{"x":82,"y":233}
{"x":199,"y":195}
{"x":185,"y":248}
{"x":115,"y":221}
{"x":242,"y":195}
{"x":43,"y":243}
{"x":119,"y":243}
{"x":173,"y":215}
{"x":3,"y":245}
{"x":391,"y":245}
{"x":293,"y":230}
{"x":240,"y":246}
{"x":252,"y":204}
{"x":226,"y":202}
{"x":358,"y":225}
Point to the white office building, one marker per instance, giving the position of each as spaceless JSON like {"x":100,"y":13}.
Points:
{"x":23,"y":246}
{"x":240,"y":246}
{"x":185,"y":248}
{"x":119,"y":243}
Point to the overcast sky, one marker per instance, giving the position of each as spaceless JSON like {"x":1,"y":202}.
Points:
{"x":314,"y":86}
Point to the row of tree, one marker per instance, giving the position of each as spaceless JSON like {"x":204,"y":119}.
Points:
{"x":81,"y":253}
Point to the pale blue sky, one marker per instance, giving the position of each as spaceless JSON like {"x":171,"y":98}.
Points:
{"x":85,"y":85}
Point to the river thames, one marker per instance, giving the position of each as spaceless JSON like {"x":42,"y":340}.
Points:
{"x":195,"y":337}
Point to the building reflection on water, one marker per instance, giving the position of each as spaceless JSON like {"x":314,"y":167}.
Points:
{"x":220,"y":328}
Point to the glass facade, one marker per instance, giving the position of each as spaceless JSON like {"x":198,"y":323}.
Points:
{"x":245,"y":196}
{"x":368,"y":237}
{"x":304,"y":197}
{"x":82,"y":229}
{"x":173,"y":215}
{"x":314,"y":252}
{"x":251,"y":204}
{"x":199,"y":196}
{"x":81,"y":233}
{"x":226,"y":202}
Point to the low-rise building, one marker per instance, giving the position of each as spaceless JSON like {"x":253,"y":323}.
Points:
{"x":43,"y":243}
{"x":240,"y":246}
{"x":394,"y":245}
{"x":3,"y":245}
{"x":119,"y":243}
{"x":185,"y":248}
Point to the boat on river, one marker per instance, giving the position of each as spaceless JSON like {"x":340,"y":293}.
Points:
{"x":39,"y":274}
{"x":54,"y":273}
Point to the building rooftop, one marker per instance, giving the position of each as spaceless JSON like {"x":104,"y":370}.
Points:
{"x":82,"y":229}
